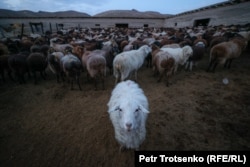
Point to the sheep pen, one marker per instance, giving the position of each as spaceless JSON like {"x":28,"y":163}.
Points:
{"x":49,"y":125}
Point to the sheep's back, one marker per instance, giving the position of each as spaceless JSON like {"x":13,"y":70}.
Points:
{"x":69,"y":61}
{"x":176,"y":53}
{"x":164,"y":61}
{"x":85,"y":57}
{"x":37,"y":61}
{"x":226,"y":50}
{"x":129,"y":59}
{"x":96,"y":64}
{"x":221,"y":52}
{"x":17,"y":62}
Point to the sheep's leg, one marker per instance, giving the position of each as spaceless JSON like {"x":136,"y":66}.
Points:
{"x":150,"y":63}
{"x":215,"y":64}
{"x":160,"y":77}
{"x":103,"y":86}
{"x":226,"y":63}
{"x":210,"y":65}
{"x":35,"y":78}
{"x":2,"y":74}
{"x":21,"y":77}
{"x":110,"y":70}
{"x":95,"y":81}
{"x":229,"y":63}
{"x":71,"y":81}
{"x":57,"y":78}
{"x":62,"y":76}
{"x":154,"y":70}
{"x":117,"y":77}
{"x":191,"y":66}
{"x":123,"y":77}
{"x":175,"y":69}
{"x":42,"y":74}
{"x":187,"y":65}
{"x":18,"y":76}
{"x":78,"y":82}
{"x":29,"y":75}
{"x":167,"y":78}
{"x":10,"y":76}
{"x":88,"y":77}
{"x":116,"y":80}
{"x":135,"y":75}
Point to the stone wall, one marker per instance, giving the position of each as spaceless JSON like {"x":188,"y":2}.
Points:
{"x":238,"y":13}
{"x":226,"y":15}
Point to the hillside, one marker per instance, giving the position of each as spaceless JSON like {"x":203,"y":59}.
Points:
{"x":28,"y":13}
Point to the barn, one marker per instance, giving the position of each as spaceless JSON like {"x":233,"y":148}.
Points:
{"x":231,"y":12}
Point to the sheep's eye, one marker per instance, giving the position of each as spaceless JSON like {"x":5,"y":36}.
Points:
{"x":118,"y":109}
{"x":138,"y":109}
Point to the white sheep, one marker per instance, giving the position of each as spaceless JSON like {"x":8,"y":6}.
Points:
{"x":71,"y":66}
{"x":130,"y":61}
{"x":128,"y":115}
{"x":180,"y":55}
{"x":59,"y":47}
{"x":54,"y":63}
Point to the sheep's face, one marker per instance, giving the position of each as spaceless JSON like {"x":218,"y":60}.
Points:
{"x":130,"y":116}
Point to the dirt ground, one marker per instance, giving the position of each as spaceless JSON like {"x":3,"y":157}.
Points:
{"x":50,"y":125}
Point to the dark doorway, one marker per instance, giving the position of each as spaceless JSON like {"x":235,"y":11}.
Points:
{"x":36,"y":27}
{"x":201,"y":22}
{"x":121,"y":25}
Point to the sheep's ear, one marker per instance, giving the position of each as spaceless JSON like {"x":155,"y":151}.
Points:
{"x":143,"y":109}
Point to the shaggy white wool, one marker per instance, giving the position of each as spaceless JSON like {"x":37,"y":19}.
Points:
{"x":129,"y":61}
{"x":128,"y":110}
{"x":180,"y":55}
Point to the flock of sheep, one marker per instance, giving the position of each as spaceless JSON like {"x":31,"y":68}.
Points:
{"x":122,"y":52}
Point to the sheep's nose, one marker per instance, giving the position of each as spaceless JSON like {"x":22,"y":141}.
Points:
{"x":128,"y":125}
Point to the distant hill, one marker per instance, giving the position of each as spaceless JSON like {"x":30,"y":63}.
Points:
{"x":28,"y":13}
{"x":131,"y":13}
{"x":5,"y":13}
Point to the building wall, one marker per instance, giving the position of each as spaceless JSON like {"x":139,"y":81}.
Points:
{"x":81,"y":22}
{"x":223,"y":14}
{"x":227,"y":15}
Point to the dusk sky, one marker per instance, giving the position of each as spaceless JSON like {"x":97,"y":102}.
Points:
{"x":93,"y":7}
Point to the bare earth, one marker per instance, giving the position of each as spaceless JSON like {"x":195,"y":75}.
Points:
{"x":50,"y":125}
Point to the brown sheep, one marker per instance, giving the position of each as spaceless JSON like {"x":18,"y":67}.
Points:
{"x":4,"y":55}
{"x":199,"y":49}
{"x":37,"y":61}
{"x":164,"y":65}
{"x":18,"y":65}
{"x":71,"y":67}
{"x":4,"y":66}
{"x":225,"y":52}
{"x":3,"y":49}
{"x":95,"y":63}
